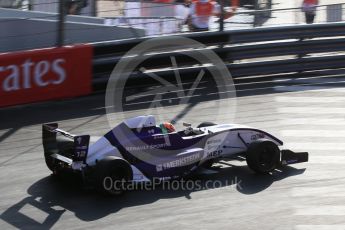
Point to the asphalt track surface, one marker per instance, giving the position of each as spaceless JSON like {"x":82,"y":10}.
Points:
{"x":307,"y":113}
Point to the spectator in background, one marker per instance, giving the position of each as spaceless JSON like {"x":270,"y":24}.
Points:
{"x":74,"y":6}
{"x":163,"y":1}
{"x":309,"y":9}
{"x":182,"y":12}
{"x":201,"y":12}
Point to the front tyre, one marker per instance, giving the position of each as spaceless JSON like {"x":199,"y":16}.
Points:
{"x":208,"y":164}
{"x":263,"y":156}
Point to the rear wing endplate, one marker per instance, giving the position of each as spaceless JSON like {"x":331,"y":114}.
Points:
{"x":52,"y":148}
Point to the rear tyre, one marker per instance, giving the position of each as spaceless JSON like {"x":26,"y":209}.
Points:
{"x":263,"y":156}
{"x":112,"y":174}
{"x":50,"y":163}
{"x":206,"y":124}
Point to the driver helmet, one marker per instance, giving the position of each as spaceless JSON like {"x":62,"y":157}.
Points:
{"x":167,"y":127}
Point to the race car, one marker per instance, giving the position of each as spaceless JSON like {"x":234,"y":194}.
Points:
{"x":138,"y":150}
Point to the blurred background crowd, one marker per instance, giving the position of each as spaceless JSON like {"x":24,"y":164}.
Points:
{"x":177,"y":15}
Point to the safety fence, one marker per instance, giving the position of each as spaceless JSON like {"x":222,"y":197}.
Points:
{"x":250,"y":55}
{"x":255,"y":52}
{"x":158,"y":18}
{"x":40,"y":25}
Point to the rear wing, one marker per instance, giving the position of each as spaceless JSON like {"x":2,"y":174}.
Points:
{"x":63,"y":146}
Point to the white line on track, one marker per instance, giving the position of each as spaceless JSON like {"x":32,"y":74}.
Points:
{"x":339,"y":160}
{"x":326,"y":191}
{"x":314,"y":121}
{"x":320,"y":227}
{"x":313,"y":133}
{"x":316,"y":146}
{"x":320,"y":210}
{"x":312,"y":110}
{"x":316,"y":174}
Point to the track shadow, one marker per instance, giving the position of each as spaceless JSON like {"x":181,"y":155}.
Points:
{"x":19,"y":116}
{"x":54,"y":197}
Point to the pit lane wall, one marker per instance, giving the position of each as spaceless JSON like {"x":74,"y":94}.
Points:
{"x":45,"y":74}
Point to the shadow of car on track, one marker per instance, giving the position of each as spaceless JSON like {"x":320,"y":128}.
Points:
{"x":54,"y":197}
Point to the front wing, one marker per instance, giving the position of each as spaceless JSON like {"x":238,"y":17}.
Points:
{"x":289,"y":157}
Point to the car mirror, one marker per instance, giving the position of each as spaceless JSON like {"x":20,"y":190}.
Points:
{"x":187,"y":124}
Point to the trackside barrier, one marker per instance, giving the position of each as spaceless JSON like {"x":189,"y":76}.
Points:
{"x":247,"y":52}
{"x":57,"y":73}
{"x":39,"y":75}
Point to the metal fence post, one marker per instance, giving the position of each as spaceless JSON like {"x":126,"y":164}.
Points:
{"x":61,"y":24}
{"x":94,"y":9}
{"x":30,"y":5}
{"x":161,"y":24}
{"x":256,"y":14}
{"x":221,"y":20}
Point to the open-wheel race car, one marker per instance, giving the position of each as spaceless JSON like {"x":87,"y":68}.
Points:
{"x":138,"y":150}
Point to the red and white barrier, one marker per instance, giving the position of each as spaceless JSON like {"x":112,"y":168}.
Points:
{"x":40,"y":75}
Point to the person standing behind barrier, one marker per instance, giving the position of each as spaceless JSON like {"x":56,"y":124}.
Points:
{"x":309,"y":9}
{"x":201,"y":12}
{"x":74,"y":7}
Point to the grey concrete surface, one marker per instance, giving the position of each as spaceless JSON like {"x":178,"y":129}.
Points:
{"x":306,"y":112}
{"x":36,"y":34}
